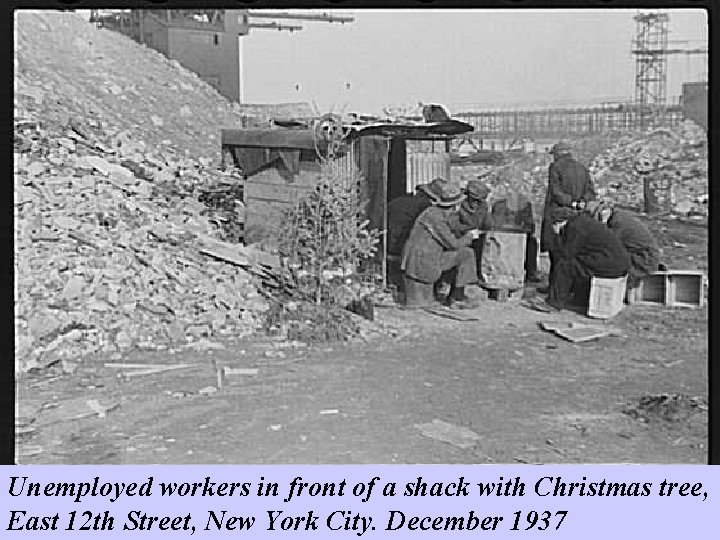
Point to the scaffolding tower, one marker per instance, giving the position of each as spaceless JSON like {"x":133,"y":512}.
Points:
{"x":650,"y":49}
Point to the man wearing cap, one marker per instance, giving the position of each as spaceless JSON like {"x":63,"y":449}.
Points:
{"x":404,"y":210}
{"x":636,"y":239}
{"x":585,"y":248}
{"x":569,"y":186}
{"x":433,"y":248}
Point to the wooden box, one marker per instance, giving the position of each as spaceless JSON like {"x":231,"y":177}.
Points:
{"x":606,"y":297}
{"x":672,"y":288}
{"x":503,"y":259}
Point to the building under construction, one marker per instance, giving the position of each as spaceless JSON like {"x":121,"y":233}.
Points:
{"x":203,"y":41}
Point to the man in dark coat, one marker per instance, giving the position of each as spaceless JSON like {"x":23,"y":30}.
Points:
{"x":433,"y":248}
{"x":569,"y":186}
{"x":635,"y":238}
{"x":404,"y":210}
{"x":587,"y":248}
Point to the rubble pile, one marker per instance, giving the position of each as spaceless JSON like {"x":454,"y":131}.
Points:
{"x":225,"y":198}
{"x":676,"y":160}
{"x":666,"y":407}
{"x":526,"y":174}
{"x":113,"y":250}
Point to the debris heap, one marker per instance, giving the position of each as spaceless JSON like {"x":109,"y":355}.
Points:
{"x":113,"y":250}
{"x":677,"y":160}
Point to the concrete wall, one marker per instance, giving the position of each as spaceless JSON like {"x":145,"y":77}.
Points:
{"x":212,"y":55}
{"x":695,"y":102}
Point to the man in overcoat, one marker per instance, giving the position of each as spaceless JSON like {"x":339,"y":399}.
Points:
{"x":433,"y":248}
{"x":404,"y":210}
{"x":636,"y":239}
{"x":586,"y":248}
{"x":569,"y":186}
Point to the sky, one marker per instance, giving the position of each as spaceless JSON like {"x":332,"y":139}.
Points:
{"x":459,"y":57}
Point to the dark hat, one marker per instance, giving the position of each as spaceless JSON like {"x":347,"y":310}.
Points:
{"x":433,"y":189}
{"x":562,"y":214}
{"x":450,"y":195}
{"x":476,"y":189}
{"x":560,"y":149}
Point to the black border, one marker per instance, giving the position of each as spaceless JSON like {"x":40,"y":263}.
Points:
{"x":7,"y":378}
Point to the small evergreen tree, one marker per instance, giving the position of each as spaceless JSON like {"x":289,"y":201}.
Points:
{"x":326,"y":236}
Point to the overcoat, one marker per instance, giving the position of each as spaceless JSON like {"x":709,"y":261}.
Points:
{"x":594,"y":246}
{"x":637,"y":241}
{"x":430,"y":237}
{"x":402,"y":213}
{"x":568,"y":182}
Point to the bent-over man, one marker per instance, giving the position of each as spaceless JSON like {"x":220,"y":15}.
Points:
{"x":433,"y":248}
{"x":587,"y":249}
{"x":636,"y":239}
{"x":404,"y":210}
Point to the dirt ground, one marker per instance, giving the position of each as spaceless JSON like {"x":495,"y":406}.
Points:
{"x":530,"y":396}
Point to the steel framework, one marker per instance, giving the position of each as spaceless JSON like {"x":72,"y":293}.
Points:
{"x":650,"y":49}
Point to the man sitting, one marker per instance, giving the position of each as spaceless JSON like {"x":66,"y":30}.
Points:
{"x":635,"y":238}
{"x":586,"y":248}
{"x":404,"y":210}
{"x":474,"y":213}
{"x":433,"y":248}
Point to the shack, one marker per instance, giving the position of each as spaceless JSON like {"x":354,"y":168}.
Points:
{"x":281,"y":164}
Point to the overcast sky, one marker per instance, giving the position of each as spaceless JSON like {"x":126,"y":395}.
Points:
{"x":457,"y":57}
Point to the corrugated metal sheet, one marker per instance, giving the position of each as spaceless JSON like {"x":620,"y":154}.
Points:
{"x":422,"y":167}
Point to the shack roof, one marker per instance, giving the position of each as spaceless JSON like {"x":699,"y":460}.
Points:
{"x":298,"y":135}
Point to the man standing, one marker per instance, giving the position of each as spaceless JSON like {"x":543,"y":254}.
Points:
{"x":585,"y":248}
{"x":635,"y":238}
{"x":569,"y":186}
{"x":404,"y":210}
{"x":433,"y":248}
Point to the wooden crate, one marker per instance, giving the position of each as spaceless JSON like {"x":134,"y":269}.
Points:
{"x":503,"y":259}
{"x":606,"y":297}
{"x":672,"y":288}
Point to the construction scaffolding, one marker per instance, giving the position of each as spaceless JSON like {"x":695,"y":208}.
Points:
{"x":650,"y":49}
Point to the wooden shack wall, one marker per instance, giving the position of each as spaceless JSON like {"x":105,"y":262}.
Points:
{"x":268,"y":195}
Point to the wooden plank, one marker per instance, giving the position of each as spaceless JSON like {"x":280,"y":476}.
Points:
{"x":269,"y":138}
{"x":288,"y":193}
{"x":263,"y":220}
{"x":456,"y":314}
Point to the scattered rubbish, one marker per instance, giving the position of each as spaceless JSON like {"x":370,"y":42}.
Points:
{"x":75,"y":409}
{"x":24,"y":431}
{"x":240,"y":371}
{"x":666,"y":407}
{"x":455,"y":314}
{"x":578,"y":332}
{"x":205,"y":345}
{"x":155,"y":370}
{"x":23,"y":451}
{"x":449,"y":433}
